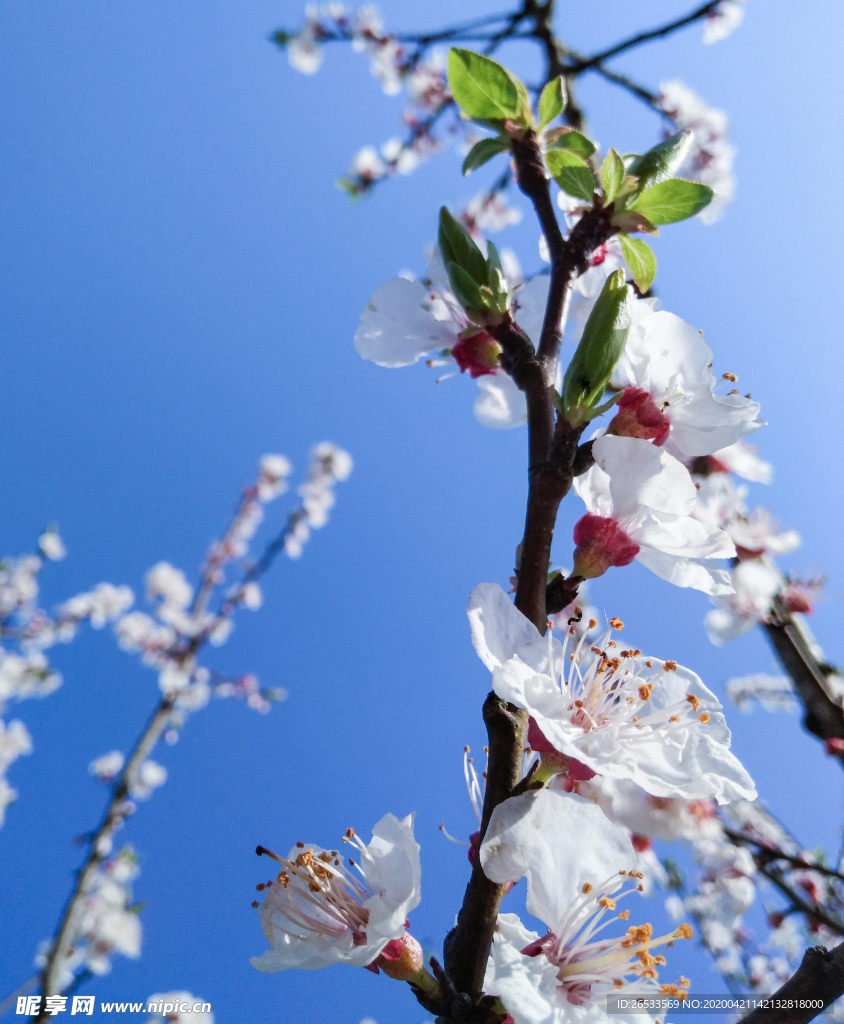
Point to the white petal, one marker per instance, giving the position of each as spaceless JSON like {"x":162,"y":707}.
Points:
{"x":641,"y":474}
{"x":395,"y":877}
{"x":527,"y":986}
{"x":559,"y":841}
{"x":682,"y":536}
{"x":498,"y":627}
{"x":396,"y":329}
{"x":500,"y":405}
{"x":687,"y":572}
{"x":530,"y":301}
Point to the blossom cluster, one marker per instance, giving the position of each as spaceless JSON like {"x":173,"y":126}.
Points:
{"x":106,"y":921}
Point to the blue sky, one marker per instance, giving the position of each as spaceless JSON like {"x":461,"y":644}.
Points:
{"x":181,"y":283}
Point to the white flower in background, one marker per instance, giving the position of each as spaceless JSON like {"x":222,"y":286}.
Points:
{"x":169,"y":584}
{"x":711,"y":156}
{"x":272,"y":478}
{"x":107,"y":767}
{"x":150,"y":776}
{"x":719,"y":501}
{"x":106,"y":924}
{"x":578,"y":867}
{"x":741,"y":458}
{"x":24,"y":676}
{"x":318,"y":912}
{"x":640,"y":501}
{"x":723,"y":21}
{"x":755,"y":585}
{"x":14,"y":741}
{"x":303,"y":50}
{"x":755,"y":534}
{"x":171,"y":1009}
{"x":104,"y":604}
{"x":657,"y":817}
{"x":774,"y":693}
{"x":665,"y":373}
{"x":488,"y":211}
{"x":51,"y":546}
{"x":619,"y":713}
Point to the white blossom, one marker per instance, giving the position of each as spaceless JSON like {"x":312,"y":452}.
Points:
{"x":576,"y":862}
{"x":149,"y":776}
{"x":179,"y":1016}
{"x":169,"y":584}
{"x":105,"y":603}
{"x":619,"y":713}
{"x":107,"y":766}
{"x":741,"y":458}
{"x":723,"y":21}
{"x":318,"y":912}
{"x":669,"y":395}
{"x":639,"y":500}
{"x":51,"y":546}
{"x":756,"y":583}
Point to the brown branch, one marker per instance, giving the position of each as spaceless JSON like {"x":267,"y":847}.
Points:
{"x":819,"y":976}
{"x":822,"y":717}
{"x":553,"y":449}
{"x":775,"y":853}
{"x":809,"y":909}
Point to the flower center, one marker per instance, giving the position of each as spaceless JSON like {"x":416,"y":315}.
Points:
{"x":588,"y":966}
{"x":314,"y":894}
{"x":601,"y":694}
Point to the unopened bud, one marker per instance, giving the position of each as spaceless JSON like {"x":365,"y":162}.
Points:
{"x":601,"y":543}
{"x":401,"y":958}
{"x":600,"y":348}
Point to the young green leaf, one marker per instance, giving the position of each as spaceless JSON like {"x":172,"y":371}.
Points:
{"x":672,"y":200}
{"x":467,"y":291}
{"x":552,"y":101}
{"x":458,"y":247}
{"x":482,"y":88}
{"x":640,"y":258}
{"x":572,"y":174}
{"x":482,"y":151}
{"x":575,"y":142}
{"x":612,"y":176}
{"x":662,"y":161}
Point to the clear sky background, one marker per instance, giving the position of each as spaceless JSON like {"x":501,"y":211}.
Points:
{"x":180,"y":286}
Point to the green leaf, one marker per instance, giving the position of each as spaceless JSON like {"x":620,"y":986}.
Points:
{"x":640,"y":258}
{"x":482,"y":88}
{"x":552,"y":101}
{"x":466,"y":290}
{"x":662,"y":161}
{"x":612,"y":176}
{"x":600,"y":348}
{"x":457,"y":247}
{"x":575,"y":142}
{"x":482,"y":151}
{"x":572,"y":174}
{"x":672,"y":200}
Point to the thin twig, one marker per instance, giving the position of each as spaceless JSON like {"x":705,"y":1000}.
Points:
{"x":584,"y":64}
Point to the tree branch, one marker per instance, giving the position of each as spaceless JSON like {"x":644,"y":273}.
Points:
{"x":552,"y":452}
{"x":822,"y":717}
{"x":819,"y":976}
{"x":643,"y":37}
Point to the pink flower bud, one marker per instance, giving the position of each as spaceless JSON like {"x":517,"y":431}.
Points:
{"x":639,"y":416}
{"x":835,"y":745}
{"x":600,"y":543}
{"x":477,"y":352}
{"x":401,"y":959}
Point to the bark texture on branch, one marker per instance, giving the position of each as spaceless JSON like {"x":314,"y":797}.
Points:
{"x":821,"y":716}
{"x":819,"y":976}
